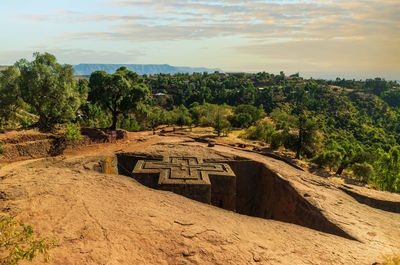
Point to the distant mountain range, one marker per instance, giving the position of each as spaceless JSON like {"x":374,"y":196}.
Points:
{"x":141,"y":69}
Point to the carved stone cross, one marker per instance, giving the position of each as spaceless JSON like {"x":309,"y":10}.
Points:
{"x":190,"y":177}
{"x":182,"y":170}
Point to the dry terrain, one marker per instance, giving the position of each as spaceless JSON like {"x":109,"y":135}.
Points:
{"x":101,"y":217}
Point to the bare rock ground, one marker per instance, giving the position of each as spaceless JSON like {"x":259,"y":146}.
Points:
{"x":112,"y":219}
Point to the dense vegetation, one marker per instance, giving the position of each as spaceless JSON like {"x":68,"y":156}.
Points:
{"x":342,"y":125}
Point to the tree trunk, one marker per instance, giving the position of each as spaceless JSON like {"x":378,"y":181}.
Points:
{"x":298,"y":153}
{"x":340,"y":170}
{"x":343,"y":165}
{"x":43,"y":123}
{"x":299,"y":145}
{"x":114,"y":121}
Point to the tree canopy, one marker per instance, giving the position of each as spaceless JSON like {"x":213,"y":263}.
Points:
{"x":119,"y":93}
{"x":49,"y":88}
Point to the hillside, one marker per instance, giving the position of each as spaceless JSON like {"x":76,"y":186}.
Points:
{"x":141,"y":69}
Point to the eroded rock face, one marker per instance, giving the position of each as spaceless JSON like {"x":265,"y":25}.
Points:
{"x":260,"y":192}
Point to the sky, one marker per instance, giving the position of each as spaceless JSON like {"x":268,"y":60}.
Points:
{"x":351,"y":39}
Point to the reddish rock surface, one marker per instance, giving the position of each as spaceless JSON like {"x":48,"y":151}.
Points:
{"x":112,"y":219}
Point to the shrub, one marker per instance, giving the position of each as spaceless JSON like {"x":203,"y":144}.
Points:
{"x":242,"y":120}
{"x":130,"y":125}
{"x":92,"y":115}
{"x":25,"y":121}
{"x":363,"y":171}
{"x":328,"y":158}
{"x":72,"y":132}
{"x":276,"y":140}
{"x":332,"y":159}
{"x":18,"y":241}
{"x":262,"y":131}
{"x":289,"y":140}
{"x":319,"y":159}
{"x":2,"y":149}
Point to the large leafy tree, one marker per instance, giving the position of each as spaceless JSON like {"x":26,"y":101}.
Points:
{"x":9,"y":92}
{"x":121,"y":92}
{"x":245,"y":115}
{"x":388,"y":167}
{"x":49,"y":88}
{"x":307,"y":134}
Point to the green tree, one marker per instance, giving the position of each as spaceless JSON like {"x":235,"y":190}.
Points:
{"x":49,"y":88}
{"x":307,"y":132}
{"x":183,"y":116}
{"x":245,"y":115}
{"x":351,"y":153}
{"x":388,"y":170}
{"x":9,"y":92}
{"x":83,"y":88}
{"x":121,"y":92}
{"x":242,"y":120}
{"x":156,"y":116}
{"x":220,"y":123}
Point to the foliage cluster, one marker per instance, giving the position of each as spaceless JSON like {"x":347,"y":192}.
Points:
{"x":2,"y":149}
{"x":71,"y":132}
{"x":17,"y":242}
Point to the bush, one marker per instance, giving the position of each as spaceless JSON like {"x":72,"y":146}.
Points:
{"x":72,"y":132}
{"x":276,"y":140}
{"x":25,"y":121}
{"x":328,"y":158}
{"x":130,"y":125}
{"x":262,"y":131}
{"x":17,"y":240}
{"x":363,"y":171}
{"x":93,"y":116}
{"x":2,"y":149}
{"x":242,"y":120}
{"x":290,"y":141}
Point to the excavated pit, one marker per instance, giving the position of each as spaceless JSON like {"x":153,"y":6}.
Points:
{"x":259,"y":192}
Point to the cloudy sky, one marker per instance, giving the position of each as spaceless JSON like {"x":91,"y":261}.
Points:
{"x":314,"y":37}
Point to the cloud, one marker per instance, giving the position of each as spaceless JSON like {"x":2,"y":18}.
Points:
{"x":327,"y":55}
{"x":326,"y":34}
{"x":259,"y":19}
{"x":72,"y":56}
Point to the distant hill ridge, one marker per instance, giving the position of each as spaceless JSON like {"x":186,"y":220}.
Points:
{"x":141,"y":69}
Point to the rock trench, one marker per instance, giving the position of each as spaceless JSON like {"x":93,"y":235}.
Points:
{"x":257,"y":192}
